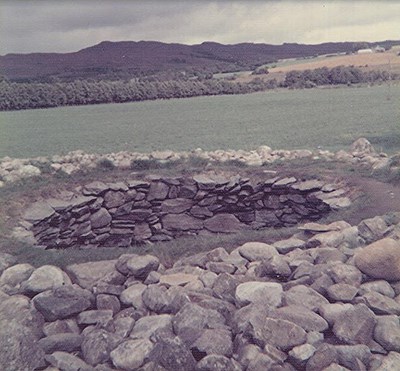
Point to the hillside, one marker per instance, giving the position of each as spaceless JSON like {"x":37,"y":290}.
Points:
{"x":112,"y":60}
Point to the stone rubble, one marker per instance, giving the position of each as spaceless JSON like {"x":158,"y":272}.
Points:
{"x":361,"y":153}
{"x":332,"y":308}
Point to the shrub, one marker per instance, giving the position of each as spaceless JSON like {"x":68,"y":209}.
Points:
{"x":196,"y":161}
{"x":105,"y":164}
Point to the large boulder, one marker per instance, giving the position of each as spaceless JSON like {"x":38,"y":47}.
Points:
{"x":46,"y":277}
{"x":62,"y":302}
{"x":21,"y":327}
{"x":380,"y":259}
{"x":254,"y":251}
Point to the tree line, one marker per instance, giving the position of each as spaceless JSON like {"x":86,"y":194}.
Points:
{"x":18,"y":96}
{"x":341,"y":75}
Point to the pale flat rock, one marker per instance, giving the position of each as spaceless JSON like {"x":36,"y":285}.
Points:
{"x":176,"y":205}
{"x":290,"y":244}
{"x":93,"y":317}
{"x":268,"y":293}
{"x":381,"y":286}
{"x":381,"y":304}
{"x":301,"y":316}
{"x":67,"y":342}
{"x":131,"y":354}
{"x":95,"y":188}
{"x":140,"y":266}
{"x":342,"y":292}
{"x":223,"y":223}
{"x":145,"y":327}
{"x":304,"y":296}
{"x":38,"y":211}
{"x":181,"y":222}
{"x":14,"y":276}
{"x":62,"y":302}
{"x":280,"y":333}
{"x":390,"y":362}
{"x":100,"y":218}
{"x":254,"y":251}
{"x":372,"y":229}
{"x":387,"y":332}
{"x":46,"y":277}
{"x":67,"y":362}
{"x":177,"y":279}
{"x":133,"y":295}
{"x":89,"y":274}
{"x":355,"y":326}
{"x":331,"y":311}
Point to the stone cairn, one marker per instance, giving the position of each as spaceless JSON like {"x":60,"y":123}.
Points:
{"x":328,"y":298}
{"x":132,"y":212}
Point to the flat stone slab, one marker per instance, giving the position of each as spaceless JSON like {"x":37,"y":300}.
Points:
{"x":223,"y":223}
{"x":38,"y":211}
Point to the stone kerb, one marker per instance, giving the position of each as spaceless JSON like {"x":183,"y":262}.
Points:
{"x":132,"y":212}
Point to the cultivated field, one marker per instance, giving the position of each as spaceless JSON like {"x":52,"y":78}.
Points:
{"x":389,"y":60}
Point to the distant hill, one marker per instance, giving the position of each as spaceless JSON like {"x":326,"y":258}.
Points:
{"x":127,"y":59}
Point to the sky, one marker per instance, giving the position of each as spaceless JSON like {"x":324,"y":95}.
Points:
{"x":70,"y":25}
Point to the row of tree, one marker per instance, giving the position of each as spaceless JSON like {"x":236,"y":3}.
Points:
{"x":341,"y":75}
{"x":18,"y":96}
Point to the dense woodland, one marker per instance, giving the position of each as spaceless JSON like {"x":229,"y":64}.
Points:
{"x":18,"y":96}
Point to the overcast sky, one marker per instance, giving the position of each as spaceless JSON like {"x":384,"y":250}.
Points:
{"x":66,"y":25}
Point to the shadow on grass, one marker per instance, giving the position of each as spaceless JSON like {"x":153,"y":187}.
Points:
{"x":168,"y":252}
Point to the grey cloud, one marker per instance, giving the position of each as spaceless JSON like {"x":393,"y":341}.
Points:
{"x":44,"y":25}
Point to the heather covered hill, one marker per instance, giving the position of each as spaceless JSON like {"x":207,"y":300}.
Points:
{"x":125,"y":59}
